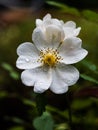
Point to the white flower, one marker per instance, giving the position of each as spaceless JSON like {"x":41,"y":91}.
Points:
{"x":46,"y":63}
{"x":69,"y":27}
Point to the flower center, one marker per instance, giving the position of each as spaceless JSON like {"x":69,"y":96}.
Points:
{"x":49,"y":57}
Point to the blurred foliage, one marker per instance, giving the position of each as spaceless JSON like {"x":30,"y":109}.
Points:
{"x":20,"y":108}
{"x":80,"y":4}
{"x":44,"y":122}
{"x":9,"y":68}
{"x":64,"y":8}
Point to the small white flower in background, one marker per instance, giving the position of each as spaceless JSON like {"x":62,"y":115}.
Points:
{"x":47,"y":62}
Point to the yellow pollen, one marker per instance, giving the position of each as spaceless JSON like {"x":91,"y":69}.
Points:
{"x":49,"y":57}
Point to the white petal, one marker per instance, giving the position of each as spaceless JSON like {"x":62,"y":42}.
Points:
{"x":69,"y":32}
{"x":70,"y":24}
{"x":28,"y":56}
{"x":75,"y":56}
{"x":50,"y":38}
{"x":58,"y":85}
{"x":57,"y":22}
{"x":47,"y":16}
{"x":28,"y":78}
{"x":27,"y":48}
{"x":44,"y":79}
{"x":46,"y":21}
{"x":68,"y":73}
{"x":27,"y":62}
{"x":71,"y":50}
{"x":39,"y":38}
{"x":63,"y":77}
{"x":70,"y":29}
{"x":38,"y":22}
{"x":40,"y":78}
{"x":76,"y":31}
{"x":54,"y":36}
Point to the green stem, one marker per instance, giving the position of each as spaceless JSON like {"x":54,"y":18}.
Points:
{"x":40,"y":103}
{"x":69,"y":111}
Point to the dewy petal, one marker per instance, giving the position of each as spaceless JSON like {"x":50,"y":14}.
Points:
{"x":63,"y":77}
{"x":27,"y":62}
{"x":71,"y":51}
{"x":40,"y":78}
{"x":27,"y":48}
{"x":43,"y":80}
{"x":28,"y":56}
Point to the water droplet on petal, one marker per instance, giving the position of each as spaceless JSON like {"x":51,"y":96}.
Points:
{"x":40,"y":83}
{"x":27,"y":60}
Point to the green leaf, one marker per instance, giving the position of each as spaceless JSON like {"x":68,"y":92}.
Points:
{"x":89,"y":78}
{"x":14,"y":75}
{"x":90,"y":15}
{"x":7,"y":66}
{"x":81,"y":104}
{"x":28,"y":102}
{"x":44,"y":122}
{"x":11,"y":70}
{"x":63,"y":126}
{"x":57,"y":4}
{"x":90,"y":66}
{"x":14,"y":119}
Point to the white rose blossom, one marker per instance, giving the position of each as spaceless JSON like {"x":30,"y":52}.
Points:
{"x":47,"y":62}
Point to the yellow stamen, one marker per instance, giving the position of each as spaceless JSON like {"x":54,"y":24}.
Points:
{"x":49,"y":57}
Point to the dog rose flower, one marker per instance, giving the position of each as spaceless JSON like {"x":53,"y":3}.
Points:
{"x":47,"y":62}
